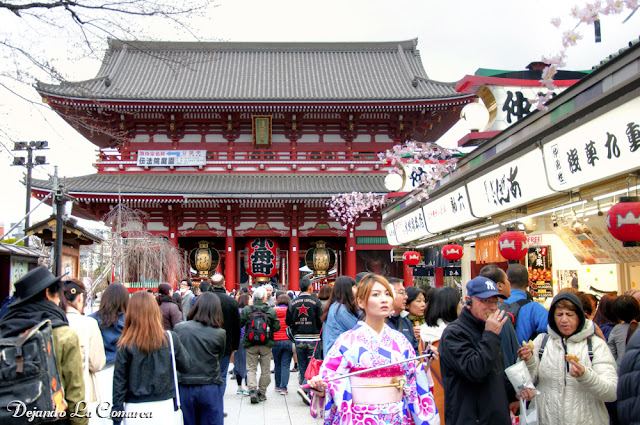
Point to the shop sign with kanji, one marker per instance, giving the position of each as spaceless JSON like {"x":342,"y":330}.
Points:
{"x":390,"y":230}
{"x":603,"y":147}
{"x":191,"y":158}
{"x":540,"y":272}
{"x":511,"y":185}
{"x":410,"y":227}
{"x":448,"y":211}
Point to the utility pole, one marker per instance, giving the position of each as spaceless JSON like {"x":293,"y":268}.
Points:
{"x":39,"y":160}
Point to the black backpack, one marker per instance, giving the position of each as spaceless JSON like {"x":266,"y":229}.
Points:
{"x":257,"y":329}
{"x":512,"y":309}
{"x":29,"y":377}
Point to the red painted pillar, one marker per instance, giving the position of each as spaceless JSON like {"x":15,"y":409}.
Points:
{"x":351,"y":254}
{"x":230,"y":255}
{"x":407,"y":275}
{"x":173,"y":226}
{"x":439,"y":277}
{"x":294,"y":252}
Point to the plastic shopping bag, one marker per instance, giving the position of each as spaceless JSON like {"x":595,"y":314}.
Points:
{"x":519,"y":376}
{"x":528,"y":415}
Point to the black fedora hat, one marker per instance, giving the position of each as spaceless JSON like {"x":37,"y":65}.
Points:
{"x":33,"y":283}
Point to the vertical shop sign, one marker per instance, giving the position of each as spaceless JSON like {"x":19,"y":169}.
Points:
{"x":540,"y":273}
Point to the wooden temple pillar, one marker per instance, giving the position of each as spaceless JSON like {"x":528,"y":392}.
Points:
{"x":294,"y":255}
{"x":351,"y":254}
{"x":407,"y":274}
{"x":230,"y":254}
{"x":173,"y":226}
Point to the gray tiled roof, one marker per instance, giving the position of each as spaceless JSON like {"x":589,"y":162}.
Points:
{"x":236,"y":71}
{"x":220,"y":185}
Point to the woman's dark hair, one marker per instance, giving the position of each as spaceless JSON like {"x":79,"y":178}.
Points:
{"x":243,"y":300}
{"x":587,"y":306}
{"x":342,"y":294}
{"x":71,"y":290}
{"x":113,"y":302}
{"x":626,"y":308}
{"x":443,"y":304}
{"x":164,"y":289}
{"x":283,"y":299}
{"x":605,"y":312}
{"x":414,"y":292}
{"x":325,"y":292}
{"x":177,"y":298}
{"x":207,"y":310}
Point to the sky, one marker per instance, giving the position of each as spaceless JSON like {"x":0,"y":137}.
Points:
{"x":455,"y":38}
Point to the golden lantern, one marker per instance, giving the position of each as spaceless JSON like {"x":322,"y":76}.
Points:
{"x":320,"y":259}
{"x":204,"y":259}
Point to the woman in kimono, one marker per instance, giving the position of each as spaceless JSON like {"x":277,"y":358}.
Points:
{"x":395,"y":395}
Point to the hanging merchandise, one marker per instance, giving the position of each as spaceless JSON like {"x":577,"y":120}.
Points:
{"x":623,"y":221}
{"x":262,"y":259}
{"x":513,"y":245}
{"x":411,"y":258}
{"x":204,"y":259}
{"x":320,"y":259}
{"x":452,"y":252}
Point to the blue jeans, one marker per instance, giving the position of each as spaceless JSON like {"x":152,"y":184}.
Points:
{"x":224,"y":370}
{"x":201,"y":404}
{"x":304,"y":350}
{"x":282,"y":354}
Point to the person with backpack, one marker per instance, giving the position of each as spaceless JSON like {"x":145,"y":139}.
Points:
{"x":37,"y":299}
{"x":530,"y":318}
{"x":575,"y":370}
{"x":260,"y":322}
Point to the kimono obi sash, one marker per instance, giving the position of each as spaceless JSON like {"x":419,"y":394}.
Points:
{"x":380,"y":386}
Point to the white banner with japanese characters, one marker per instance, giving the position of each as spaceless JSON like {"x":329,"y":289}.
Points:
{"x":448,"y":211}
{"x":410,"y":227}
{"x":603,"y":147}
{"x":390,"y":230}
{"x":172,"y":158}
{"x":511,"y":185}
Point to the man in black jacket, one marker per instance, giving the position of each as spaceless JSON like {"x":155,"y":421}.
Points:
{"x":231,"y":324}
{"x":304,"y":317}
{"x":398,"y":319}
{"x":629,"y":383}
{"x":471,"y":360}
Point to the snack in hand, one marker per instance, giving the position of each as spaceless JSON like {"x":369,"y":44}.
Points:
{"x":570,"y":357}
{"x":529,"y":345}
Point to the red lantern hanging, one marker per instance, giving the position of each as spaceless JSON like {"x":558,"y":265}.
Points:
{"x":513,"y":245}
{"x":262,"y":259}
{"x":452,"y":252}
{"x":411,"y":258}
{"x":623,"y":220}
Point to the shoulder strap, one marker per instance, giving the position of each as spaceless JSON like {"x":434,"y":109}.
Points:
{"x":523,"y":301}
{"x":590,"y":347}
{"x":541,"y":349}
{"x":175,"y":372}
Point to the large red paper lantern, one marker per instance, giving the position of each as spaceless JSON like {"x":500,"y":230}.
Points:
{"x":623,"y":220}
{"x":452,"y":252}
{"x":411,"y":258}
{"x":513,"y":245}
{"x":262,"y":259}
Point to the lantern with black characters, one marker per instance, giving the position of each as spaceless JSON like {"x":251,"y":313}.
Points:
{"x":262,"y":259}
{"x":623,"y":221}
{"x":204,"y":259}
{"x":320,"y":259}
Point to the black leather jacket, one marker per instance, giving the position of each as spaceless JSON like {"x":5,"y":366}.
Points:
{"x":205,"y":346}
{"x":139,"y":377}
{"x":231,"y":317}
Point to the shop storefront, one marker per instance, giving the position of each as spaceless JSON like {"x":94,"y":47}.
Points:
{"x":553,"y":175}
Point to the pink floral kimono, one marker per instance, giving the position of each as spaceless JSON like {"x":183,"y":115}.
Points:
{"x":361,"y":399}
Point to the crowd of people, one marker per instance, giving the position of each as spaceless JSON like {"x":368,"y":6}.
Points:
{"x":370,"y":351}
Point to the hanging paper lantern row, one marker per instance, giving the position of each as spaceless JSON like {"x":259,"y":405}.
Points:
{"x":262,"y":259}
{"x":623,"y":220}
{"x":411,"y":258}
{"x":452,"y":252}
{"x":513,"y":245}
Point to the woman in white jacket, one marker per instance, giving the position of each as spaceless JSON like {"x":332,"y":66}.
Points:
{"x":572,"y":391}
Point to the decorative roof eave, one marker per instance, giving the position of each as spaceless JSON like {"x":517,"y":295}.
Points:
{"x":471,"y":83}
{"x":276,"y":105}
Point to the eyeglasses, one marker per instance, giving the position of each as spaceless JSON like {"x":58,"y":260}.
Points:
{"x":487,"y":300}
{"x":401,"y":292}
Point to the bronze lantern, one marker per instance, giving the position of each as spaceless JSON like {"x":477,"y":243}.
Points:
{"x":204,"y":259}
{"x":320,"y":259}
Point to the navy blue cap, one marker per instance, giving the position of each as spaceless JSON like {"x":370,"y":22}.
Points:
{"x":482,"y":287}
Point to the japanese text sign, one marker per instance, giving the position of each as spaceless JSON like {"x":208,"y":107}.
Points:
{"x":172,"y":158}
{"x":410,"y":227}
{"x":448,"y":211}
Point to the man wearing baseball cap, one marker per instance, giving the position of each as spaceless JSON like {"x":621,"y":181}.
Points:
{"x":471,"y":360}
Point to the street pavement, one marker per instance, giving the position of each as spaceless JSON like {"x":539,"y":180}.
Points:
{"x":276,"y":410}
